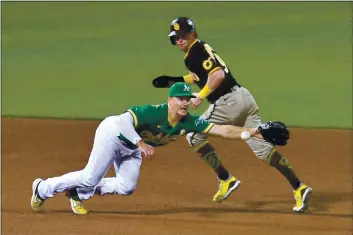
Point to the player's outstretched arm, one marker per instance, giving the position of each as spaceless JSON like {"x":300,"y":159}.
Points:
{"x":232,"y":132}
{"x":275,"y":132}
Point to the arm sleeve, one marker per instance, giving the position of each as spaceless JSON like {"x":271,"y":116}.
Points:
{"x":188,"y":79}
{"x":146,"y":115}
{"x":126,"y":127}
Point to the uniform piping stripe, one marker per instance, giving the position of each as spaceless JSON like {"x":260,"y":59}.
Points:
{"x":135,"y":118}
{"x":208,"y":128}
{"x":214,"y":107}
{"x":187,"y":53}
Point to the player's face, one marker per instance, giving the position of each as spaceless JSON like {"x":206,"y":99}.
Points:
{"x":180,"y":105}
{"x":184,"y":42}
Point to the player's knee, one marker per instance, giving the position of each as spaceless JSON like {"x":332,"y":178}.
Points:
{"x":263,"y":153}
{"x":89,"y":181}
{"x":260,"y":148}
{"x":126,"y":189}
{"x":127,"y":192}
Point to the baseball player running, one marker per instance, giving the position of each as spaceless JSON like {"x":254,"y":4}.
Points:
{"x":121,"y":140}
{"x":230,"y":103}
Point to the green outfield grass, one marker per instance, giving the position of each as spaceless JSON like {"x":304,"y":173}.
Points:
{"x":93,"y":59}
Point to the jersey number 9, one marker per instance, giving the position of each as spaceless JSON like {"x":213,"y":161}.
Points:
{"x":214,"y":56}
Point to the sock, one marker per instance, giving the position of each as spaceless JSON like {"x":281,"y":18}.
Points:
{"x":279,"y":162}
{"x":209,"y":155}
{"x":74,"y":195}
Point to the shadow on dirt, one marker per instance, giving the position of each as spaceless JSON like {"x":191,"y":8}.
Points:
{"x":319,"y":206}
{"x":320,"y":201}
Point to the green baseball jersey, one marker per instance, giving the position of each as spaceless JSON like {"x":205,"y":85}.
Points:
{"x":151,"y":123}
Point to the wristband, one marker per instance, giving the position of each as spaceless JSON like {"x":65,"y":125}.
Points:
{"x":206,"y":90}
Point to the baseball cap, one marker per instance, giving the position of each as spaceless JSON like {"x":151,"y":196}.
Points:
{"x":180,"y":27}
{"x":180,"y":89}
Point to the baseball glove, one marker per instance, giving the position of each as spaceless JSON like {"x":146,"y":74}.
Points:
{"x":274,"y":132}
{"x":166,"y":81}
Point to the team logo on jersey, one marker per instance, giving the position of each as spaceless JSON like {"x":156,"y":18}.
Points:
{"x":200,"y":121}
{"x":186,"y":88}
{"x":207,"y":64}
{"x":176,"y":26}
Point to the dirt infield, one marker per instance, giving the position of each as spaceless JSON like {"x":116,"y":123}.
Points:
{"x":174,"y":193}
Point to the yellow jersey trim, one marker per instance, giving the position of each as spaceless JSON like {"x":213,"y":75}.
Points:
{"x":208,"y":128}
{"x":135,"y":118}
{"x":171,"y":123}
{"x":187,"y":53}
{"x":213,"y":70}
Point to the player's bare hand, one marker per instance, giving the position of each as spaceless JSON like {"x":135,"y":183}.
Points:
{"x":195,"y":102}
{"x":146,"y":149}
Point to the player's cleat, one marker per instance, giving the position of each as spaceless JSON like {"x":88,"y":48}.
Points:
{"x":76,"y":203}
{"x":302,"y":196}
{"x":36,"y":201}
{"x":77,"y":207}
{"x":225,"y":188}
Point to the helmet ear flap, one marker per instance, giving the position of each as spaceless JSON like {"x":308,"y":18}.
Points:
{"x":172,"y":40}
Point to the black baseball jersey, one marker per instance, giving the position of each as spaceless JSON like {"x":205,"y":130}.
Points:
{"x":201,"y":60}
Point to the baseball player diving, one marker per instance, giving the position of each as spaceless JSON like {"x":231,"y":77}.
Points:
{"x":124,"y":139}
{"x":230,"y":104}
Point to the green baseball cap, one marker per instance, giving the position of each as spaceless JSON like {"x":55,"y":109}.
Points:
{"x":180,"y":89}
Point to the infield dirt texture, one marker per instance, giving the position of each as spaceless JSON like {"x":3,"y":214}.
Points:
{"x":88,"y":60}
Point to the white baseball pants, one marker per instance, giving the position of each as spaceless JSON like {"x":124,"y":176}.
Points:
{"x":107,"y":150}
